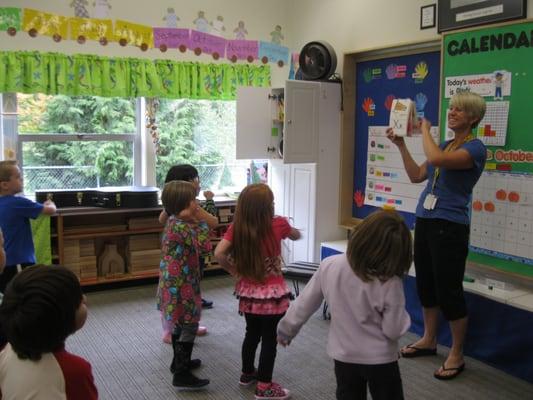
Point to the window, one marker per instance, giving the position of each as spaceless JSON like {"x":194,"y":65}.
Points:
{"x":68,"y":142}
{"x":202,"y":133}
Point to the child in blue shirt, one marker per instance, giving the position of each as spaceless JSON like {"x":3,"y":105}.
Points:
{"x":15,"y":212}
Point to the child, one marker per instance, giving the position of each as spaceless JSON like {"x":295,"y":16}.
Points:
{"x":15,"y":212}
{"x":41,"y":307}
{"x":2,"y":252}
{"x":253,"y":242}
{"x":186,"y":172}
{"x":364,"y":291}
{"x":179,"y":299}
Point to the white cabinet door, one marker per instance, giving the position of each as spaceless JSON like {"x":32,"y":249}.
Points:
{"x":256,"y":138}
{"x":279,"y":182}
{"x":302,"y":203}
{"x":300,"y":141}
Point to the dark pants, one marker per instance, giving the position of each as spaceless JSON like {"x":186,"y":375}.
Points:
{"x":383,"y":380}
{"x":8,"y":274}
{"x":440,"y":249}
{"x":260,"y":328}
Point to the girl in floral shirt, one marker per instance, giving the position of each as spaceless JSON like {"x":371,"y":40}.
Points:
{"x":179,"y":299}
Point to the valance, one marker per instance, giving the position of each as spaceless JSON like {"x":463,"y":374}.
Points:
{"x":81,"y":74}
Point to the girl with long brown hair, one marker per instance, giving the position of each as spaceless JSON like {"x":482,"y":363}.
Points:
{"x":251,"y":251}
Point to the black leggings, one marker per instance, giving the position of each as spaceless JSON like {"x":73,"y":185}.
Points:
{"x":260,"y":328}
{"x":383,"y":380}
{"x":441,"y":248}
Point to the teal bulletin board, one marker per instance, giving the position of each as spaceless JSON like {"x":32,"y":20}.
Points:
{"x":497,"y":63}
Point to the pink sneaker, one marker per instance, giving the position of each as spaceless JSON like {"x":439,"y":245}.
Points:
{"x":167,"y":338}
{"x":272,"y":391}
{"x":202,"y":331}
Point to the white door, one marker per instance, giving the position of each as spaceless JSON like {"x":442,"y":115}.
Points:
{"x":302,"y":204}
{"x":255,"y":138}
{"x":301,"y":122}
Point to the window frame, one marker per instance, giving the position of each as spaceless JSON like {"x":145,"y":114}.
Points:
{"x":135,"y":138}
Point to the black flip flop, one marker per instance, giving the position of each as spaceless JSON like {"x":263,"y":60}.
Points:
{"x":418,"y":352}
{"x":456,"y":371}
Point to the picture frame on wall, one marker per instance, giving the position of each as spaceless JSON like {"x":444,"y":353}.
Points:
{"x":428,"y":16}
{"x":457,"y":14}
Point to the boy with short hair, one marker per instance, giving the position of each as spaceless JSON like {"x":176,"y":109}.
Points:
{"x":15,"y":212}
{"x":42,"y":306}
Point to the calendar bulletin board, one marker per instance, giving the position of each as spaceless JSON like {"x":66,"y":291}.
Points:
{"x":496,"y":62}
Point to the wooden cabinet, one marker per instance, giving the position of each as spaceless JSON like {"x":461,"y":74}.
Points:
{"x":82,"y":235}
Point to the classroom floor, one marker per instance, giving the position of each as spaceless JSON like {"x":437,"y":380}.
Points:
{"x":122,"y":340}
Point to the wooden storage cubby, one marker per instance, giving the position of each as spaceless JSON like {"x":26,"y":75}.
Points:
{"x":79,"y":236}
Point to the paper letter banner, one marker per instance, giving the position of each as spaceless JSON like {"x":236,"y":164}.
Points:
{"x":274,"y":52}
{"x":10,"y":18}
{"x":44,"y":23}
{"x":91,"y":29}
{"x":134,"y":34}
{"x":242,"y":49}
{"x":207,"y":43}
{"x":172,"y":38}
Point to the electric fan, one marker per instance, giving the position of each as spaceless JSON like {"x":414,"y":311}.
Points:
{"x":317,"y":61}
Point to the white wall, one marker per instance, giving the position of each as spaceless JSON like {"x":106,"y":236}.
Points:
{"x":260,"y":17}
{"x":356,"y":25}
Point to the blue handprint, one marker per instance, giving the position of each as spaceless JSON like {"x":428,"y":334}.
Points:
{"x":420,"y":102}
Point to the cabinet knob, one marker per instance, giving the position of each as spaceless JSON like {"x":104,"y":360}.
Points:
{"x":289,"y":121}
{"x":271,"y":149}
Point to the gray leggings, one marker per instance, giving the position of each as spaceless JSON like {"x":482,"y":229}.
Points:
{"x":186,"y":332}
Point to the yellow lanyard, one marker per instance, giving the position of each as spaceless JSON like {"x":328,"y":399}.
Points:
{"x":449,"y":147}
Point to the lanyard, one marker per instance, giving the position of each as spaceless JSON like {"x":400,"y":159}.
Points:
{"x":449,"y":147}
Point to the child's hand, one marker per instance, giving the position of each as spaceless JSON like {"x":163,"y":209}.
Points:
{"x":208,"y":195}
{"x":283,"y":342}
{"x":188,"y":215}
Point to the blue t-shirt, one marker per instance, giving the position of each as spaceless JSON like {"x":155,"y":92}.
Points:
{"x":15,"y":212}
{"x":454,"y":186}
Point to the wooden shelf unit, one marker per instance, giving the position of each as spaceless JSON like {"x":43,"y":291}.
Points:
{"x":88,"y":229}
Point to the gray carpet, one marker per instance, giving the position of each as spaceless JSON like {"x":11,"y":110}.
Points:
{"x":122,"y":340}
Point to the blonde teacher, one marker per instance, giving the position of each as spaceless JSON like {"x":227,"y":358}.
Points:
{"x":442,"y":226}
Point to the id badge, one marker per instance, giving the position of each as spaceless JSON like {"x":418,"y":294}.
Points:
{"x":430,"y":201}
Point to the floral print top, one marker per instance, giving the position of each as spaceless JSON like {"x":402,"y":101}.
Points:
{"x":178,"y":294}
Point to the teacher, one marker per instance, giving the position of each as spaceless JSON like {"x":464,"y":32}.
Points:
{"x":442,"y":226}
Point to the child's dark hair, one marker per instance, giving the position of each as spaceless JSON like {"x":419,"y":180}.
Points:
{"x":380,"y":247}
{"x":177,"y":196}
{"x":6,"y":169}
{"x":252,"y":224}
{"x":38,"y":311}
{"x":181,"y":172}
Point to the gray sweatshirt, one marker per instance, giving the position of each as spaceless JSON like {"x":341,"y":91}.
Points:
{"x":367,"y":318}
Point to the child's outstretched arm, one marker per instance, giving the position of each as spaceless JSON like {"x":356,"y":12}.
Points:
{"x":222,"y":251}
{"x":300,"y":310}
{"x":49,"y":208}
{"x":294,"y":234}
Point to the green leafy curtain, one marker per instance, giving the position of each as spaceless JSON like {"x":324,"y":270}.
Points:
{"x":80,"y":74}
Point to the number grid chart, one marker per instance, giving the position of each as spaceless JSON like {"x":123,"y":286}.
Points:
{"x":492,"y":129}
{"x":502,"y":216}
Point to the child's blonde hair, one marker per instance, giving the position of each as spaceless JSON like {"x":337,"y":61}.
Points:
{"x":252,"y":227}
{"x":6,"y":169}
{"x":471,"y":103}
{"x":380,"y":247}
{"x":177,"y":196}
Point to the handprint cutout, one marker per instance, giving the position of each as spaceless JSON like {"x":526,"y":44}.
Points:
{"x":367,"y":75}
{"x":390,"y":71}
{"x":388,"y":101}
{"x":420,"y":102}
{"x":421,"y":70}
{"x":359,"y":198}
{"x":369,"y":106}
